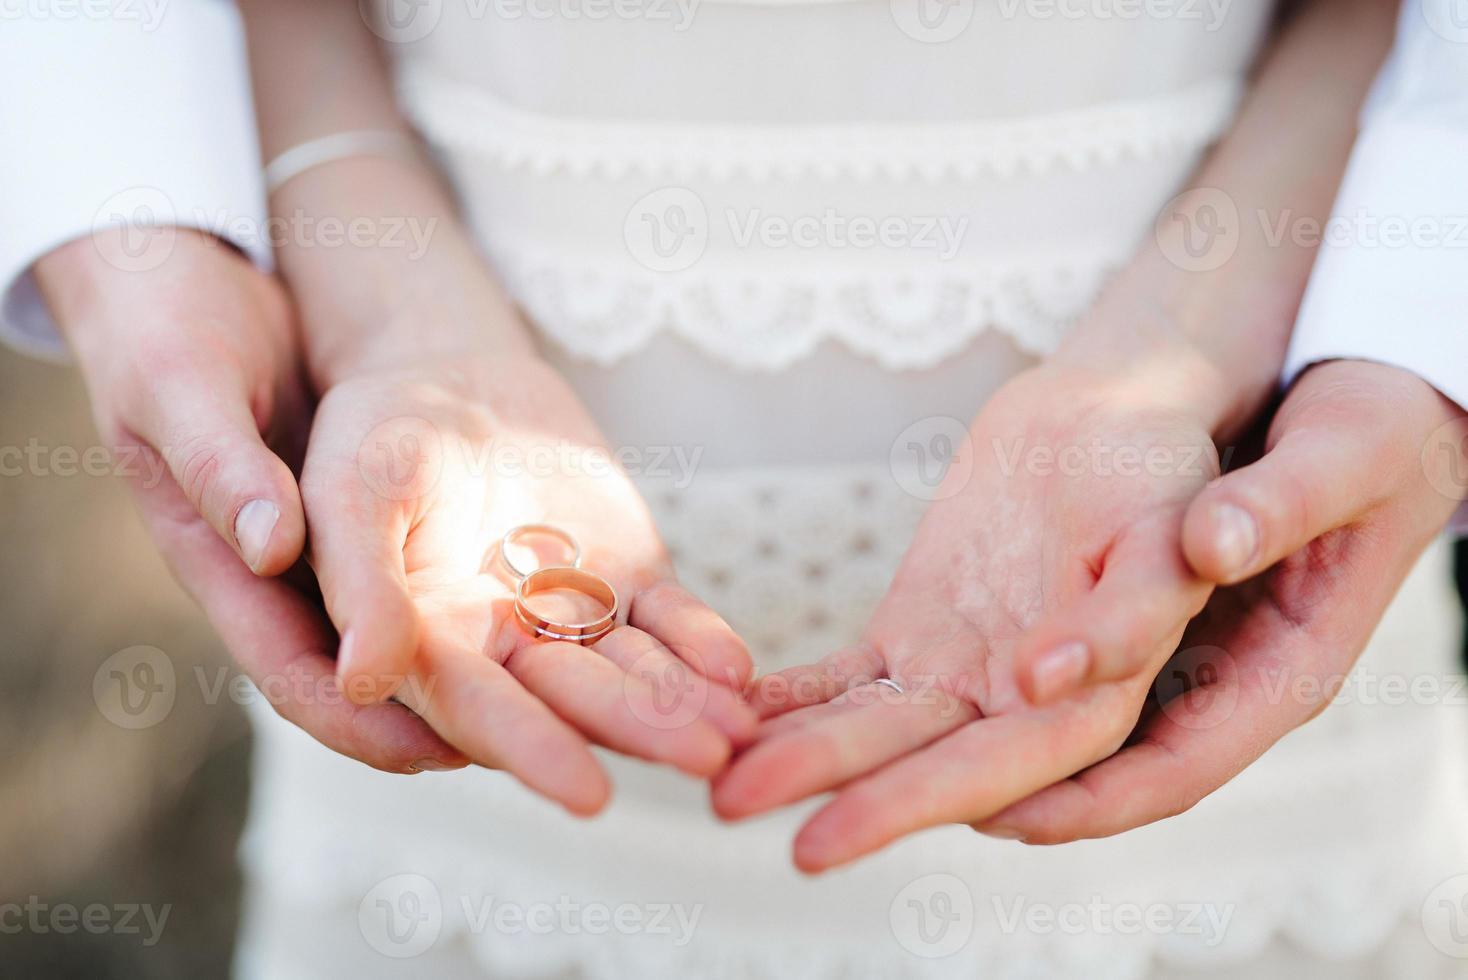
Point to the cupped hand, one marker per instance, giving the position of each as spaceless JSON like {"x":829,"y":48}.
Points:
{"x":1365,"y":464}
{"x":1052,"y":562}
{"x":190,"y":364}
{"x":413,"y":474}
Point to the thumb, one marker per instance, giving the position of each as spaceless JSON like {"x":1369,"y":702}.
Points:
{"x":1313,"y":480}
{"x":210,"y":442}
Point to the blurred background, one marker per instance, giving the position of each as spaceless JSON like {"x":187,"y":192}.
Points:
{"x":90,"y":812}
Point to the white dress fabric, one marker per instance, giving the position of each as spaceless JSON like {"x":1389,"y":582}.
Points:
{"x":613,"y":169}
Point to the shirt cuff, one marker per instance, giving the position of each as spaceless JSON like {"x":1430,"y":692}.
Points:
{"x":1390,"y":282}
{"x":117,"y":120}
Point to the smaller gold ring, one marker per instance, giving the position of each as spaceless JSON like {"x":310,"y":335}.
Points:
{"x":573,"y":579}
{"x":550,"y":531}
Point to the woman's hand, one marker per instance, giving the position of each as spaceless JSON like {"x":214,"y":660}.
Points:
{"x":412,"y":476}
{"x":1057,"y":561}
{"x":1365,"y":463}
{"x":191,"y":364}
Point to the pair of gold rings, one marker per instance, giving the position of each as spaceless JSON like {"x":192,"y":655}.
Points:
{"x":549,"y":578}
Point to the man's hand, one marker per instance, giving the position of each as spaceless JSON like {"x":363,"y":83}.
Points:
{"x":194,"y":364}
{"x":1364,"y":466}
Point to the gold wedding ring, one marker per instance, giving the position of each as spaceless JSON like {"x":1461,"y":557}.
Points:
{"x":572,"y":578}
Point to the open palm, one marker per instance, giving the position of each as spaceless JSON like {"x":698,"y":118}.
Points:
{"x":411,"y":478}
{"x":1053,"y":558}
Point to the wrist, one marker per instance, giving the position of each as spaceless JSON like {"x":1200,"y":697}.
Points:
{"x":410,"y":288}
{"x":1189,"y":339}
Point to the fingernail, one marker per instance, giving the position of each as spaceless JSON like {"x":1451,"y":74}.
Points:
{"x":433,"y":765}
{"x":253,"y":526}
{"x":1060,"y":671}
{"x":1235,"y":538}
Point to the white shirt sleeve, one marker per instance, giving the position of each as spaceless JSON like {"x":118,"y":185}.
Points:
{"x":1391,"y":280}
{"x":124,"y":110}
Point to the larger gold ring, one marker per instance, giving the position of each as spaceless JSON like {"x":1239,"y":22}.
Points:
{"x":575,"y":580}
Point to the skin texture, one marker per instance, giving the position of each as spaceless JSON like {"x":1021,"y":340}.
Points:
{"x":193,"y":360}
{"x":1345,"y":506}
{"x":1034,"y":610}
{"x":432,"y":400}
{"x":1012,"y":554}
{"x":1027,"y":622}
{"x":411,"y":478}
{"x":1363,"y":468}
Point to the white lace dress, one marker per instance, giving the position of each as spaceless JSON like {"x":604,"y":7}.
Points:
{"x":865,"y":217}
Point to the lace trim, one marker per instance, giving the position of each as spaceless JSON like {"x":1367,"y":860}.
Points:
{"x":902,"y":320}
{"x":463,"y":117}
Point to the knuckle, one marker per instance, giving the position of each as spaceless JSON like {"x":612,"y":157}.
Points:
{"x":197,"y":462}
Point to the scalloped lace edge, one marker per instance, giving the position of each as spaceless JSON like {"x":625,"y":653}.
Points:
{"x":906,"y":320}
{"x":461,"y":116}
